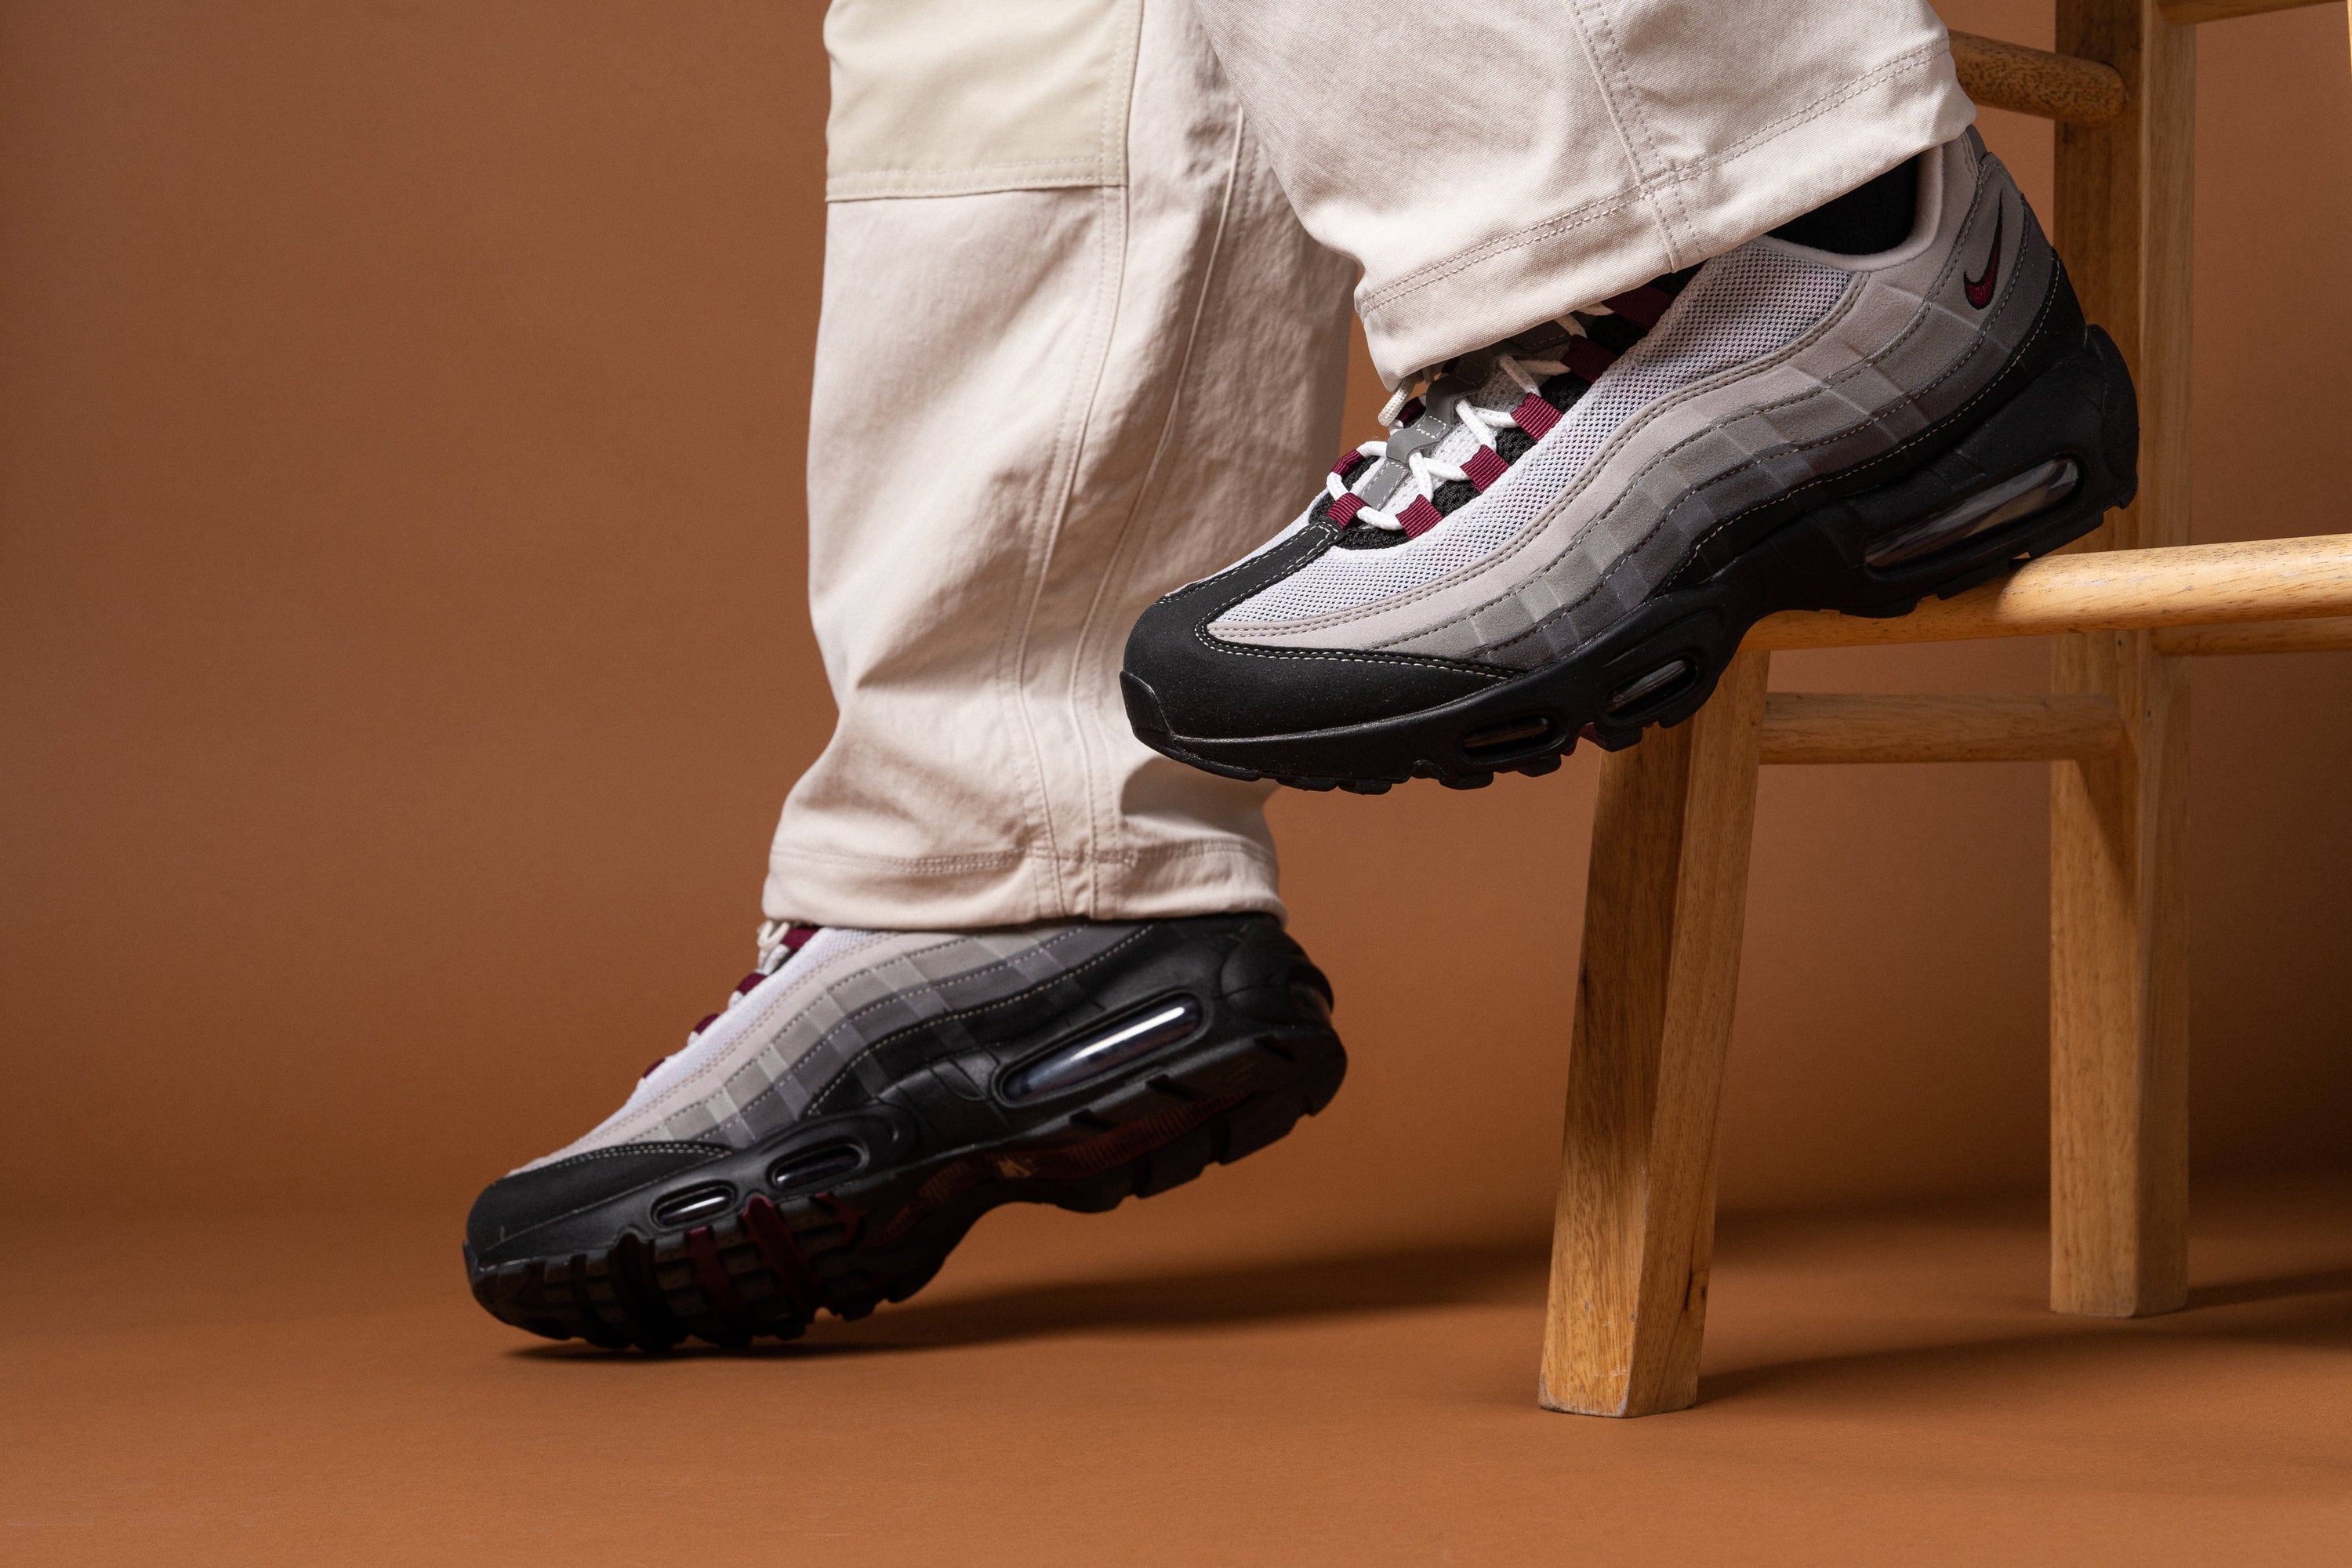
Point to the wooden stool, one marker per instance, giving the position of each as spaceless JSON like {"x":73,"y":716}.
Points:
{"x":1669,"y":872}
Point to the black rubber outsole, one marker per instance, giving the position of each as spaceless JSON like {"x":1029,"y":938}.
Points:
{"x":2080,"y":409}
{"x":767,"y":1266}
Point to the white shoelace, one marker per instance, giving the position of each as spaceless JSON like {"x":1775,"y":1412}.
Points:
{"x":1423,"y":473}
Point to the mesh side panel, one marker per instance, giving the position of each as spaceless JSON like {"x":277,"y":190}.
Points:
{"x":1741,"y":307}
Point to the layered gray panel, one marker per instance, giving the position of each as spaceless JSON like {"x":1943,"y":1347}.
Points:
{"x":833,"y":1028}
{"x":1749,"y":308}
{"x":1946,"y":355}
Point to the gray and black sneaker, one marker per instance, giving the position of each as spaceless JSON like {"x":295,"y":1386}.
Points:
{"x":1569,"y":533}
{"x":867,"y":1095}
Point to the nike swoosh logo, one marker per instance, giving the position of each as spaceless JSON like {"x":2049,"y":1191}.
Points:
{"x":1980,"y":288}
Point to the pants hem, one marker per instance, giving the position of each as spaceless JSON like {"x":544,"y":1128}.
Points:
{"x":1489,"y":292}
{"x":971,"y":892}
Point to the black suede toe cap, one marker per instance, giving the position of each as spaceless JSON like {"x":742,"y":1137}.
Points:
{"x":1184,"y":683}
{"x":528,"y":1199}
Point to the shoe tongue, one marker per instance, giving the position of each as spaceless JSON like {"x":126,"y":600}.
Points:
{"x":1481,"y":376}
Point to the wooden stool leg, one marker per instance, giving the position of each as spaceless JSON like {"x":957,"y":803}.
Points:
{"x":1663,"y":915}
{"x":2118,"y":1013}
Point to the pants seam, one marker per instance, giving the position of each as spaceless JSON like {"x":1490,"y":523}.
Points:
{"x":1623,"y":101}
{"x":927,"y":184}
{"x":1013,"y":859}
{"x":1119,"y":99}
{"x":1011,"y":661}
{"x":1071,"y":453}
{"x":1119,"y":111}
{"x":1438,"y":271}
{"x":1113,"y":569}
{"x":1602,"y":206}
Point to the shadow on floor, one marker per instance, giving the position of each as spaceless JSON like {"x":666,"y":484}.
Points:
{"x":2299,"y":1307}
{"x":1343,"y":1286}
{"x":2313,"y":1282}
{"x":2310,"y":1309}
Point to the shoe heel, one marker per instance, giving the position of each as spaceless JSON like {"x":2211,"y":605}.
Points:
{"x":2043,"y":471}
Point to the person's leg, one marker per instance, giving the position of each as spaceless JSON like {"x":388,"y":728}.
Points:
{"x":1712,"y":310}
{"x":1496,"y":166}
{"x":1071,"y":333}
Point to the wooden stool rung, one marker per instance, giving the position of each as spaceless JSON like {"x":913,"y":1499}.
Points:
{"x":2120,"y":590}
{"x":2069,"y":89}
{"x":2036,"y":81}
{"x":1838,"y":727}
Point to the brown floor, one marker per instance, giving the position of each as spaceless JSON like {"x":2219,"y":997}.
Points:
{"x":1882,"y":1388}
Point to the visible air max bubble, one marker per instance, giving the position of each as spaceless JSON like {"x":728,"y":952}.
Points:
{"x":695,"y":1203}
{"x":1502,"y":740}
{"x":1668,"y":674}
{"x":1137,"y":1035}
{"x":2036,"y":490}
{"x":812,"y":1166}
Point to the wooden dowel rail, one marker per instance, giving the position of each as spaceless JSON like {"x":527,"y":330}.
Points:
{"x":2067,"y":88}
{"x":2035,"y":81}
{"x":1840,"y":727}
{"x":2119,"y":590}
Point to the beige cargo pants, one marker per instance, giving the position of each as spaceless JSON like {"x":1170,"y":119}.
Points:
{"x":1087,"y":268}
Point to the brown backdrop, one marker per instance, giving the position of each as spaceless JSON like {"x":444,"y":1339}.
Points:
{"x":401,"y":632}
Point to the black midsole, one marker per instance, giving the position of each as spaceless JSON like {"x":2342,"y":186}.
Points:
{"x":766,"y":1262}
{"x":1235,"y":1052}
{"x":1183,"y":1042}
